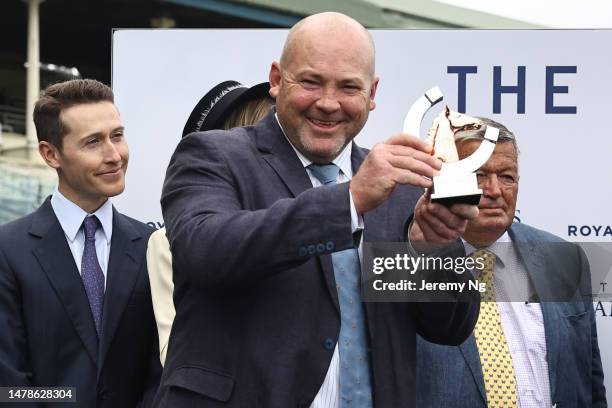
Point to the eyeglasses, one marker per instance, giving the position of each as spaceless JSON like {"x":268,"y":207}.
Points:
{"x":505,"y":179}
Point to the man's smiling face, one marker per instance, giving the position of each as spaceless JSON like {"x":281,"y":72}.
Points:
{"x":94,"y":156}
{"x":324,"y":91}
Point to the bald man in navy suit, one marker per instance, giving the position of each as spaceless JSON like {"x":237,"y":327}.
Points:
{"x":265,"y":223}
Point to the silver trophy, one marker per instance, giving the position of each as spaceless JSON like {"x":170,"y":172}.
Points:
{"x":457,"y":181}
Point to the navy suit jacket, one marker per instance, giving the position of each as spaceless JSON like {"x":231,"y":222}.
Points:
{"x":257,"y":309}
{"x":47,"y":333}
{"x":451,"y":377}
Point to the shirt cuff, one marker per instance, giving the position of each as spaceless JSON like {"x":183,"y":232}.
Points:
{"x":356,"y":219}
{"x":411,"y":251}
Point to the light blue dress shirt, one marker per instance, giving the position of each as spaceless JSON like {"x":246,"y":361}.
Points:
{"x":71,"y":216}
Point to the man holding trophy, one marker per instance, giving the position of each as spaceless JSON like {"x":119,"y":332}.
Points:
{"x":265,"y":225}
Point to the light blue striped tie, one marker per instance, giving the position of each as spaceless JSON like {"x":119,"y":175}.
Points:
{"x":355,"y":385}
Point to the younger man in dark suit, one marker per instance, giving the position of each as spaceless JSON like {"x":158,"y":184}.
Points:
{"x":75,"y":303}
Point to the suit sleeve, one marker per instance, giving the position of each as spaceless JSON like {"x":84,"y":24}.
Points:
{"x":449,"y":323}
{"x":216,"y":241}
{"x":15,"y":367}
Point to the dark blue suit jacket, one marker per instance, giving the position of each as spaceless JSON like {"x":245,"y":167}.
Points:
{"x":451,"y":377}
{"x":257,"y":310}
{"x":47,"y":333}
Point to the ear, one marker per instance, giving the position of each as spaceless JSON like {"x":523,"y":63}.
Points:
{"x":373,"y":89}
{"x":275,"y":79}
{"x":50,"y":154}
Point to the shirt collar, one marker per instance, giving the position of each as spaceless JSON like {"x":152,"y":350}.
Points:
{"x":343,"y":160}
{"x":500,"y":247}
{"x":71,"y":216}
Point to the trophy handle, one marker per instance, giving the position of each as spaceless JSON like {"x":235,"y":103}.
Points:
{"x":414,"y":117}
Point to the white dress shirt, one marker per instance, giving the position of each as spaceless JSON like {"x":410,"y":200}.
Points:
{"x":328,"y":395}
{"x":71,"y":216}
{"x":523,"y":324}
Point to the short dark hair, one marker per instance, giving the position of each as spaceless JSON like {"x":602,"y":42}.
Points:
{"x":63,"y":95}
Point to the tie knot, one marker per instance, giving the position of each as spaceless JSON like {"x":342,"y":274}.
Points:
{"x":325,"y":173}
{"x":486,"y":273}
{"x":90,"y":225}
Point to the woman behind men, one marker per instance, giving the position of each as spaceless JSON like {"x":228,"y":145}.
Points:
{"x":229,"y":104}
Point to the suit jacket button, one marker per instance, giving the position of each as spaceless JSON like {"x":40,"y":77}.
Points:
{"x":329,"y":344}
{"x":303,"y":251}
{"x":311,"y":249}
{"x":329,"y":245}
{"x":320,"y":248}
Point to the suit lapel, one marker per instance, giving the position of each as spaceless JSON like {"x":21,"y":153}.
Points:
{"x":281,"y":157}
{"x":56,"y":260}
{"x":469,"y":349}
{"x":122,"y":273}
{"x":534,"y":262}
{"x":549,"y":313}
{"x":279,"y":154}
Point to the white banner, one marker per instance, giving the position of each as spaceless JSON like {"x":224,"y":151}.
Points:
{"x":550,"y":87}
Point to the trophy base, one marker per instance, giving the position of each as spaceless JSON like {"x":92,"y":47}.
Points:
{"x":453,"y":188}
{"x":472,"y":199}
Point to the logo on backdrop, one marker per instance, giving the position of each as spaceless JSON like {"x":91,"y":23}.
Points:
{"x":589,"y":231}
{"x":515,"y":83}
{"x":156,"y":224}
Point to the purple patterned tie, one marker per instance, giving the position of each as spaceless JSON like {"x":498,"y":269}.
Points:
{"x":91,"y":273}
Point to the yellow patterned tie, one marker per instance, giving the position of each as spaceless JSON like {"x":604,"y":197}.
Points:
{"x":495,"y":359}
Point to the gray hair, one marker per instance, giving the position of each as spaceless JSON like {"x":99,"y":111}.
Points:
{"x":505,"y":135}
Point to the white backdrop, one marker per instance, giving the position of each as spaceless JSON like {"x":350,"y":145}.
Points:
{"x":565,"y":165}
